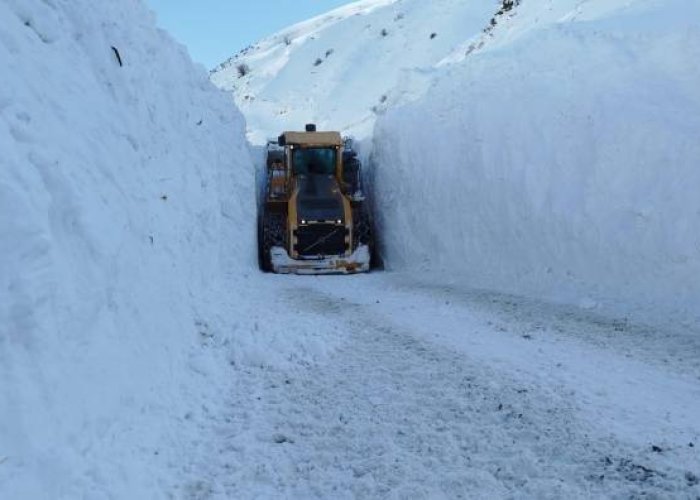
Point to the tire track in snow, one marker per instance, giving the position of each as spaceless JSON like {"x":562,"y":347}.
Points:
{"x":390,"y":416}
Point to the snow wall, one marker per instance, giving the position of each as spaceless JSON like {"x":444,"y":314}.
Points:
{"x":561,"y":161}
{"x":123,"y":188}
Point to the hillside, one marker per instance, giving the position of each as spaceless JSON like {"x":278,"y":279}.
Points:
{"x":343,"y":68}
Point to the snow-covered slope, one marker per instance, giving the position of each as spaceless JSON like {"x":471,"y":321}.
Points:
{"x":339,"y":70}
{"x":118,"y":184}
{"x":560,"y":159}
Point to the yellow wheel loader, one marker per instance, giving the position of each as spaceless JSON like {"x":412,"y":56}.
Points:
{"x":313,"y":216}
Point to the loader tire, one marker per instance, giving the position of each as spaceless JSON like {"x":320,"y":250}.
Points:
{"x":362,"y":227}
{"x":273,"y":233}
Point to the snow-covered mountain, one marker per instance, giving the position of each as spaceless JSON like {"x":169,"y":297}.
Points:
{"x":340,"y":69}
{"x":540,"y":147}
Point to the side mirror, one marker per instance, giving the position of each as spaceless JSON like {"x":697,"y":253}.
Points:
{"x":282,"y":141}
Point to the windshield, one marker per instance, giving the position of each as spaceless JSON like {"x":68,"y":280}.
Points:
{"x":315,"y":161}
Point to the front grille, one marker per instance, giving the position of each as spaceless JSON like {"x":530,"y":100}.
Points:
{"x":320,"y":240}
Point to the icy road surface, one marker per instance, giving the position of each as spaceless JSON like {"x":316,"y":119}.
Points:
{"x":435,"y":392}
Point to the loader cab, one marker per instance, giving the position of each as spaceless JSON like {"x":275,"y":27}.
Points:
{"x":312,"y":153}
{"x":315,"y":160}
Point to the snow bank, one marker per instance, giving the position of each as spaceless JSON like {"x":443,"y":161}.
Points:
{"x":560,"y":160}
{"x":125,"y":186}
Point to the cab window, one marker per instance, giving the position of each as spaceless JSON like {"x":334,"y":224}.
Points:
{"x":315,"y":161}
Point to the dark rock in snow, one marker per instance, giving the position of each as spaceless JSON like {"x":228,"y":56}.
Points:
{"x":281,"y":439}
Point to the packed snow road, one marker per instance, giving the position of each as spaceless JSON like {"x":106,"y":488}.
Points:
{"x":434,"y":392}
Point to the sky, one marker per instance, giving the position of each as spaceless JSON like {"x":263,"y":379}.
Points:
{"x":214,"y":30}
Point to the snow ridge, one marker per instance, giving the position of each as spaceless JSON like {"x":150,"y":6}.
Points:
{"x":119,"y":179}
{"x":561,"y":160}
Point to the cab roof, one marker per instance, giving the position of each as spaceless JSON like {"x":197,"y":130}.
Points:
{"x":322,"y":139}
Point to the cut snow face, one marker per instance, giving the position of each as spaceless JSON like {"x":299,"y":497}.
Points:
{"x":561,"y":160}
{"x":121,"y":170}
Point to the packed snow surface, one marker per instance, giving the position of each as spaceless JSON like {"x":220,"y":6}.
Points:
{"x":435,"y":391}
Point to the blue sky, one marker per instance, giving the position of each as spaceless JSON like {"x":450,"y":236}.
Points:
{"x":214,"y":30}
